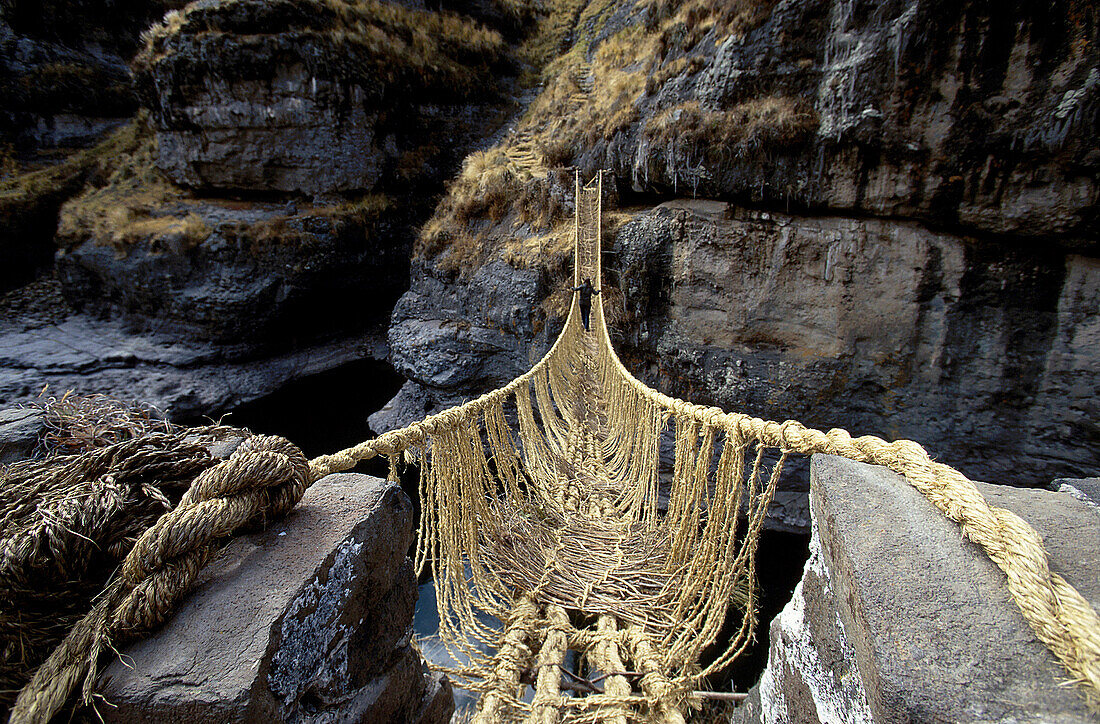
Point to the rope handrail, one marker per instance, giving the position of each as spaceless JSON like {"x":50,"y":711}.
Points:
{"x":544,"y":496}
{"x":1058,"y":615}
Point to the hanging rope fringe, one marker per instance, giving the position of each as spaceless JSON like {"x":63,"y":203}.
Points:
{"x":549,"y":488}
{"x":543,"y":498}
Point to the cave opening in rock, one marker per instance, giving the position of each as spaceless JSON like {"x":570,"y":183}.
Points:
{"x":325,"y":412}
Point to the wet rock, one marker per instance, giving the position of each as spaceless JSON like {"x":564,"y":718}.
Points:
{"x":898,"y":618}
{"x":976,"y":351}
{"x":308,"y":621}
{"x":21,"y":429}
{"x":950,"y":112}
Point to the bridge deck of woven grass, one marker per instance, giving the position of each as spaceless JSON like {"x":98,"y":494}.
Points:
{"x":543,"y":510}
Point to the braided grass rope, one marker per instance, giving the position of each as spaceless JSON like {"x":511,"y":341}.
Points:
{"x":555,"y":495}
{"x":544,"y":511}
{"x":263,"y":479}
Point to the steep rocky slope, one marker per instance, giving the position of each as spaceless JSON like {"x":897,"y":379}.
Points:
{"x":902,"y":236}
{"x":261,"y":213}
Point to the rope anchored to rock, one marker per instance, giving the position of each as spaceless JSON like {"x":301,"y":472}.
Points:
{"x":262,"y":480}
{"x":545,"y":508}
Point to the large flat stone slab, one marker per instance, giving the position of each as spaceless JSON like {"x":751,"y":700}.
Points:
{"x":898,"y":618}
{"x":20,"y":429}
{"x":308,"y":621}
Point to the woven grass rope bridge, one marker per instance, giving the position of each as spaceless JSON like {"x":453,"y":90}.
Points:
{"x":544,"y":511}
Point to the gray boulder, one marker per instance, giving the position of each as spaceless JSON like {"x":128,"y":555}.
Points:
{"x":455,"y":338}
{"x":309,"y":621}
{"x":20,"y":430}
{"x":899,"y":619}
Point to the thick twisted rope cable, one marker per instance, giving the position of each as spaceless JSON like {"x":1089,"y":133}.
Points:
{"x":263,"y":480}
{"x":1059,"y":616}
{"x":1055,"y":611}
{"x":267,"y":478}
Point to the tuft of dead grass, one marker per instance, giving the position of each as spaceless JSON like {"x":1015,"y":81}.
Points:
{"x":552,"y":250}
{"x":126,"y":201}
{"x":489,"y":199}
{"x":682,"y":24}
{"x":592,"y":90}
{"x":582,"y":102}
{"x":757,"y":126}
{"x":79,"y":423}
{"x":361,"y":213}
{"x":386,"y":43}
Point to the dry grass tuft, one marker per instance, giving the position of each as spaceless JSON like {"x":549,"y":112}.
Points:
{"x":125,"y":203}
{"x":581,"y":103}
{"x":386,"y":43}
{"x":78,"y":423}
{"x":682,"y":25}
{"x":279,"y":231}
{"x":593,"y":89}
{"x":759,"y":125}
{"x":488,"y":200}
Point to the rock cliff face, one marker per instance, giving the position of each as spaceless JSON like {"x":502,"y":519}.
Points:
{"x":963,"y":114}
{"x":262,"y":212}
{"x":314,"y":97}
{"x":983,"y":353}
{"x":64,"y":82}
{"x":900,"y":237}
{"x":327,"y":100}
{"x":259,"y":278}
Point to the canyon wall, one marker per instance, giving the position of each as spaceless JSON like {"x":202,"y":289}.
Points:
{"x":879,"y":216}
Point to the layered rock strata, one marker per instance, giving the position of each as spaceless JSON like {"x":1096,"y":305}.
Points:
{"x":314,"y":98}
{"x":957,"y":113}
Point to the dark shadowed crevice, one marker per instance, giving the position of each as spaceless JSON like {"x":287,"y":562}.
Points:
{"x":322,"y":413}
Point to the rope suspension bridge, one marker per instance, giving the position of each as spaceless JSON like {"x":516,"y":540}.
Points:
{"x":544,"y":510}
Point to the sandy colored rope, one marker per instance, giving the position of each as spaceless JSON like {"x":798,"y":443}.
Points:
{"x":512,"y":658}
{"x":660,"y":692}
{"x":549,"y":489}
{"x":605,"y":656}
{"x":1056,"y":612}
{"x":545,"y":708}
{"x":262,"y":480}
